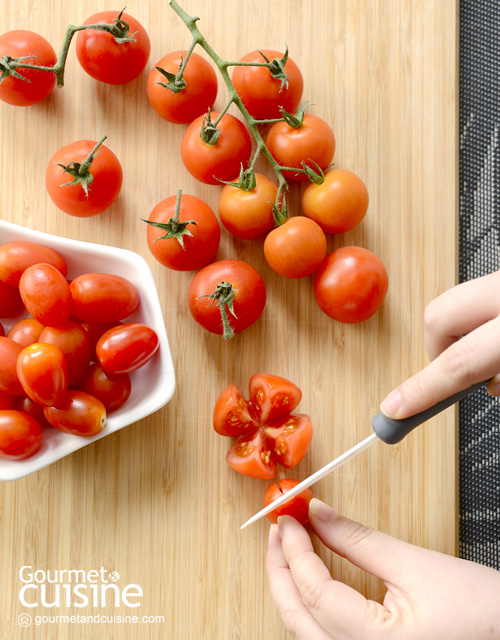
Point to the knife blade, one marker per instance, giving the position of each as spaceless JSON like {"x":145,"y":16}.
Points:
{"x":385,"y":429}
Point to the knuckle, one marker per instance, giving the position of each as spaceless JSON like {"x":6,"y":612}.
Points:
{"x":312,"y":595}
{"x":457,"y":362}
{"x":356,"y":535}
{"x":431,"y":317}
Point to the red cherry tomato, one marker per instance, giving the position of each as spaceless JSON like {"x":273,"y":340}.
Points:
{"x":313,"y":141}
{"x":95,"y":330}
{"x":103,"y":297}
{"x":297,"y":507}
{"x":46,"y":294}
{"x":11,"y":303}
{"x":248,"y":214}
{"x":267,"y":434}
{"x":9,"y":380}
{"x":77,"y":413}
{"x":2,"y":330}
{"x":211,"y":163}
{"x":199,"y":244}
{"x":197,"y":96}
{"x":20,"y":435}
{"x":7,"y":401}
{"x":260,"y":92}
{"x":126,"y":348}
{"x":339,"y":203}
{"x":228,"y":278}
{"x":351,"y":284}
{"x":70,"y":196}
{"x":43,"y":373}
{"x":296,"y":248}
{"x":32,"y":408}
{"x":16,"y":256}
{"x":107,"y":60}
{"x":112,"y":390}
{"x":38,"y":84}
{"x":26,"y":331}
{"x":74,"y":342}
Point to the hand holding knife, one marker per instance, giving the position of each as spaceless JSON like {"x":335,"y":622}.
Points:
{"x":386,"y":429}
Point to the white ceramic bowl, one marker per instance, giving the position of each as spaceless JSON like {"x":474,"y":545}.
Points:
{"x":152,"y":385}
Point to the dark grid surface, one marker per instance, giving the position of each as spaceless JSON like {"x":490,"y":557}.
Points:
{"x":479,"y":440}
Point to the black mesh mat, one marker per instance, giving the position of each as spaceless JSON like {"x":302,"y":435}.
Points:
{"x":479,"y":160}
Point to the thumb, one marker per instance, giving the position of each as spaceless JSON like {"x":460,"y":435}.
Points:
{"x":373,"y":551}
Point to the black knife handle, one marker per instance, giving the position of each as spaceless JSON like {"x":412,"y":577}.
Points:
{"x":392,"y":431}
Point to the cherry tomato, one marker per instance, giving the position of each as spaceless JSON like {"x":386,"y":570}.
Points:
{"x":74,"y":342}
{"x":43,"y":373}
{"x":9,"y":380}
{"x":248,"y":214}
{"x":7,"y":401}
{"x":2,"y":330}
{"x":112,"y":390}
{"x":107,"y":60}
{"x":38,"y":84}
{"x":32,"y":408}
{"x":211,"y":163}
{"x":297,"y":507}
{"x":26,"y":331}
{"x":11,"y":303}
{"x":103,"y":297}
{"x":200,"y":240}
{"x":296,"y":248}
{"x":260,"y":92}
{"x":351,"y":284}
{"x":68,"y":194}
{"x":339,"y":203}
{"x":313,"y":141}
{"x":126,"y":347}
{"x":46,"y":294}
{"x":95,"y":330}
{"x":227,"y":279}
{"x":77,"y":413}
{"x":16,"y":256}
{"x":197,"y":96}
{"x":267,"y":434}
{"x":20,"y":435}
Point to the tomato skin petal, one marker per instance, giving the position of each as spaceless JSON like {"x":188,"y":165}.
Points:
{"x":20,"y":435}
{"x":272,"y":396}
{"x":251,"y":456}
{"x":297,"y":507}
{"x":78,"y":413}
{"x":232,"y":414}
{"x":291,"y":438}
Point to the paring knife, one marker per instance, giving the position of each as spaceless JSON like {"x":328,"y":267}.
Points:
{"x":386,"y":429}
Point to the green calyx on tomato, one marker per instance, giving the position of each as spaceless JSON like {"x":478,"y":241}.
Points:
{"x":277,"y":68}
{"x":9,"y":70}
{"x":296,"y":121}
{"x":121,"y":30}
{"x":246,"y":180}
{"x":209,"y":132}
{"x":173,"y":228}
{"x":176,"y":82}
{"x":81,"y":171}
{"x":224,"y":297}
{"x":316,"y":174}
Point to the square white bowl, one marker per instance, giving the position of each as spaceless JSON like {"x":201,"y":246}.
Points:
{"x":153,"y":385}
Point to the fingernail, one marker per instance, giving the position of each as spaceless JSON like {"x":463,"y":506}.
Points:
{"x":493,"y":387}
{"x":322,"y":511}
{"x":391,"y":404}
{"x":273,"y":534}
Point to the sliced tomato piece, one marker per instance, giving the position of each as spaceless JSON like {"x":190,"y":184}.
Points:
{"x":290,"y":437}
{"x":272,"y":397}
{"x":251,"y":456}
{"x":232,"y":413}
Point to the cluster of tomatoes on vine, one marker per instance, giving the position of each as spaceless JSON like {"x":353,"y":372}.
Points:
{"x":85,"y":177}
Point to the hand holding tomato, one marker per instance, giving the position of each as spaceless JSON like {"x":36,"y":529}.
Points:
{"x":297,"y":507}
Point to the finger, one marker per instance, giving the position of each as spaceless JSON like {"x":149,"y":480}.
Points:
{"x":473,"y":358}
{"x":460,"y":310}
{"x":338,"y":608}
{"x":295,"y":615}
{"x":377,"y":553}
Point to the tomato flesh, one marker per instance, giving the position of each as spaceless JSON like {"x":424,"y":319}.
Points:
{"x":232,"y":413}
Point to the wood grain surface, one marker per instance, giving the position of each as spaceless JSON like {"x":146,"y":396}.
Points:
{"x":157,"y":502}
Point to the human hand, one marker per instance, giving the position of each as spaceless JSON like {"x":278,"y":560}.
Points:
{"x":462,"y":340}
{"x":430,"y":596}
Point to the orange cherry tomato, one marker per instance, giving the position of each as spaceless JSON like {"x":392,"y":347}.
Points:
{"x":296,"y":248}
{"x":103,"y":297}
{"x":43,"y":373}
{"x":74,"y":342}
{"x":248,"y":214}
{"x":46,"y":294}
{"x":26,"y":331}
{"x":16,"y":256}
{"x":339,"y":203}
{"x":77,"y":413}
{"x":20,"y":435}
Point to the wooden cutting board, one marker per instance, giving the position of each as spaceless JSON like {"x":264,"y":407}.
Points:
{"x":156,"y":502}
